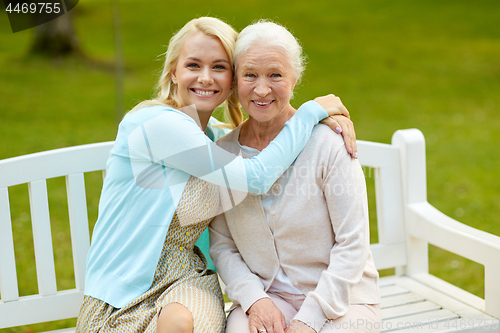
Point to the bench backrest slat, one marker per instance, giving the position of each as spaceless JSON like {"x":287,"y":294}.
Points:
{"x":389,"y":203}
{"x":79,"y":225}
{"x":42,"y":238}
{"x":383,"y":161}
{"x":389,"y":256}
{"x":8,"y":277}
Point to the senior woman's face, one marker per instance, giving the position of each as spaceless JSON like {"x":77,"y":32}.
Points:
{"x":265,"y":82}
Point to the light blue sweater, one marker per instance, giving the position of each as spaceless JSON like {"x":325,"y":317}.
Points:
{"x":156,"y":150}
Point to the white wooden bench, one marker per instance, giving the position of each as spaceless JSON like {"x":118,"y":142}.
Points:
{"x":412,"y":299}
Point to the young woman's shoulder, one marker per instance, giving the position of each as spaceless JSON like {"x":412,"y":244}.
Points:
{"x":156,"y":114}
{"x":149,"y":112}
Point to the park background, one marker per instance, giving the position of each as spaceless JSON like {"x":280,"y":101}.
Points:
{"x":427,"y":64}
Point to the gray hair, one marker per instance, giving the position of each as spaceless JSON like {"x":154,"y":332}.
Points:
{"x":270,"y":33}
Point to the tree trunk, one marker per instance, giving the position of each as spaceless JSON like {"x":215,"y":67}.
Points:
{"x":56,"y":38}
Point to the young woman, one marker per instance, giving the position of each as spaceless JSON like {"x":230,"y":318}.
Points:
{"x":144,"y":273}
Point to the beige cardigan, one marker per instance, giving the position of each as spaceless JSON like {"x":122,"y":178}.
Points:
{"x":318,"y":232}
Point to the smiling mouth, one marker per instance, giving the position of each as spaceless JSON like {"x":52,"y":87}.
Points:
{"x":262,"y":103}
{"x":204,"y":92}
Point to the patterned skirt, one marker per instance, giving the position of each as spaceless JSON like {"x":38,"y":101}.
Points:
{"x":181,"y":276}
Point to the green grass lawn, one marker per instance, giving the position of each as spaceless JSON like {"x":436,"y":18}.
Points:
{"x":431,"y":65}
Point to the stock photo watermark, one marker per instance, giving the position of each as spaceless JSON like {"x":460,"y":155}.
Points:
{"x":26,"y":14}
{"x":364,"y":324}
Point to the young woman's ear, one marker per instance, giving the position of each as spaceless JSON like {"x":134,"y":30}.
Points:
{"x":174,"y":78}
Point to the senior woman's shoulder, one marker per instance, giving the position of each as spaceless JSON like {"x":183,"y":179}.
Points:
{"x":324,"y":146}
{"x":324,"y":135}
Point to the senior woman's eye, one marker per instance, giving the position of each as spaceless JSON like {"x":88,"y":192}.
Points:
{"x":249,"y":75}
{"x":275,"y":75}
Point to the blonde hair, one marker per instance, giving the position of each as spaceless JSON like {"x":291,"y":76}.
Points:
{"x":167,"y":94}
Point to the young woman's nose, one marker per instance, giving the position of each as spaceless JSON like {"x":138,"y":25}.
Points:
{"x":205,"y":76}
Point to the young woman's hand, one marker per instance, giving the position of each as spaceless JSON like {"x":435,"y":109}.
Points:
{"x":332,"y":105}
{"x":339,"y":121}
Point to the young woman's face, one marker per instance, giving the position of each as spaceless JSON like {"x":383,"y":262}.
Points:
{"x":265,"y":82}
{"x":203,"y":72}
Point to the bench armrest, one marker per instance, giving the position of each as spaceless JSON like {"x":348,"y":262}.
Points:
{"x":429,"y":224}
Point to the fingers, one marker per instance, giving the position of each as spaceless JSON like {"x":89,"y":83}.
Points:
{"x":259,"y":326}
{"x":332,"y":123}
{"x":254,"y":329}
{"x":350,"y":139}
{"x":349,"y":135}
{"x":345,"y":127}
{"x":274,"y":326}
{"x":353,"y":139}
{"x":278,"y":326}
{"x":354,"y":144}
{"x":265,"y":317}
{"x":258,"y":329}
{"x":266,"y":329}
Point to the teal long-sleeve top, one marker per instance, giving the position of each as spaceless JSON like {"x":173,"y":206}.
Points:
{"x":156,"y":150}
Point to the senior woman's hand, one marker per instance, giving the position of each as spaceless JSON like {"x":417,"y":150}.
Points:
{"x":264,"y":316}
{"x":339,"y":121}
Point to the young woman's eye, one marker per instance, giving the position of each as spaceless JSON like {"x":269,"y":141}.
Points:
{"x":192,"y":65}
{"x":220,"y":67}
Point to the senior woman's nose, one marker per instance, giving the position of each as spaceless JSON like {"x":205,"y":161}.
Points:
{"x":262,"y":88}
{"x":205,"y":76}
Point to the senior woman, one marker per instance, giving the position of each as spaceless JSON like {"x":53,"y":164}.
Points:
{"x":297,"y":258}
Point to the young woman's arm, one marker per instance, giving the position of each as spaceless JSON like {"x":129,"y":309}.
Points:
{"x":174,"y":140}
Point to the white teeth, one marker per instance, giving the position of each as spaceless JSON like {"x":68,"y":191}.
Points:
{"x":204,"y":92}
{"x":261,"y":103}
